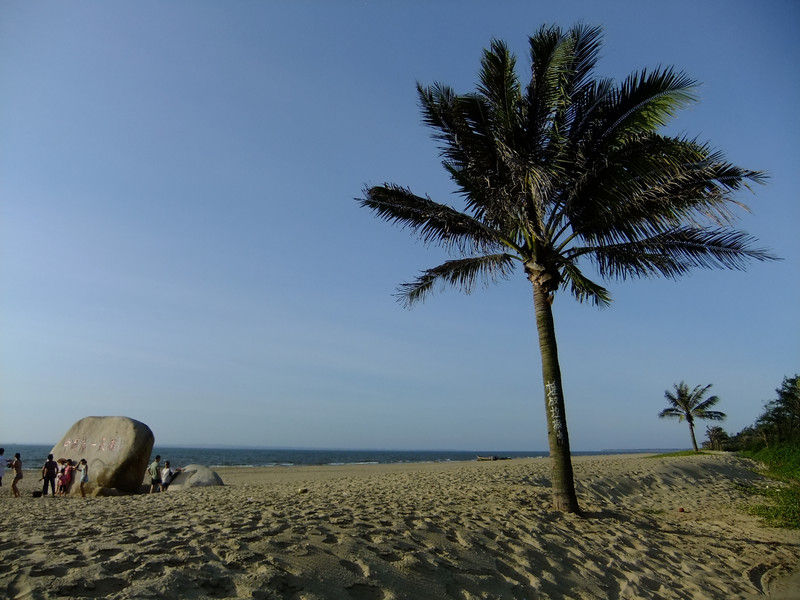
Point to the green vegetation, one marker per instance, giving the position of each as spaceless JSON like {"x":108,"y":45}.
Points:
{"x":774,"y":441}
{"x":568,"y":169}
{"x":689,"y":404}
{"x":783,"y":510}
{"x":782,"y":462}
{"x":718,"y":438}
{"x":778,"y":426}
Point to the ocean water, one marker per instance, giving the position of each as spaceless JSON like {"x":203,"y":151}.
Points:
{"x":33,"y":456}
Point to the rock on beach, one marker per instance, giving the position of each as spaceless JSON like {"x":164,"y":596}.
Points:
{"x":194,"y":476}
{"x":115,"y":448}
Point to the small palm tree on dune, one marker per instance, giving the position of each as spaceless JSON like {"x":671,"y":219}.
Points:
{"x":689,"y":404}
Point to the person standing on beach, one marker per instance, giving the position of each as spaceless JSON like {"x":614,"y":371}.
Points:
{"x":83,"y":468}
{"x":155,"y":474}
{"x":167,"y":475}
{"x":16,"y":464}
{"x":66,"y":477}
{"x":49,"y":472}
{"x":3,"y":465}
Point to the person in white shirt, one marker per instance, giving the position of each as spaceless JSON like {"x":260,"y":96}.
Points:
{"x":167,"y":475}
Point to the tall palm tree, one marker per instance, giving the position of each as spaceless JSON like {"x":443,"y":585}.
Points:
{"x":689,"y":404}
{"x":567,"y":170}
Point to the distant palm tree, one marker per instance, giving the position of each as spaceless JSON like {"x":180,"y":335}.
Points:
{"x":569,"y":168}
{"x":689,"y":404}
{"x":717,"y":437}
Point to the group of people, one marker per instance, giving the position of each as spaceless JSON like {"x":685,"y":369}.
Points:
{"x":15,"y":464}
{"x":55,"y":474}
{"x":60,"y":474}
{"x":160,"y":478}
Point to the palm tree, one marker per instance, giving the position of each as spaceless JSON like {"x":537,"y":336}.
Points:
{"x":689,"y":404}
{"x":717,"y":437}
{"x":567,"y":170}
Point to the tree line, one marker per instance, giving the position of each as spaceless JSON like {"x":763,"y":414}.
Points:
{"x":779,"y":423}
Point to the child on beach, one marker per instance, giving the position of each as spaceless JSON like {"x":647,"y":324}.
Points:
{"x":60,"y":477}
{"x":83,"y":469}
{"x":66,"y":477}
{"x":16,"y":464}
{"x":3,"y":465}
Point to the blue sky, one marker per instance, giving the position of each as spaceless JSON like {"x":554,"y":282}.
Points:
{"x":179,"y":241}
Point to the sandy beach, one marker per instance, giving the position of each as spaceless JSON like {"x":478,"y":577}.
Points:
{"x":414,"y":531}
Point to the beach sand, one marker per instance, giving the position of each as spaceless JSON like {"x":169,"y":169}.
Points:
{"x":416,"y":531}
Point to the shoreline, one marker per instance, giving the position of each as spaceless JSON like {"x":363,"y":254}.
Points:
{"x":461,"y":530}
{"x":35,"y":454}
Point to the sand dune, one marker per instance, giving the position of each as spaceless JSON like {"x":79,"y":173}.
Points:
{"x":457,"y":530}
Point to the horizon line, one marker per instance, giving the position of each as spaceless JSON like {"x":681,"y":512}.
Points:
{"x":343,"y":449}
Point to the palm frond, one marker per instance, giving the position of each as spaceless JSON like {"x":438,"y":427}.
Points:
{"x":455,"y":120}
{"x":704,"y":405}
{"x":697,"y":392}
{"x":582,"y":288}
{"x":442,"y":111}
{"x":587,"y":107}
{"x":653,"y":183}
{"x":675,"y":252}
{"x":551,"y":53}
{"x":464,"y":273}
{"x":433,"y":222}
{"x":646,"y":101}
{"x":709,"y":415}
{"x":672,"y":413}
{"x":579,"y":50}
{"x":468,"y":138}
{"x":500,"y":86}
{"x":587,"y":41}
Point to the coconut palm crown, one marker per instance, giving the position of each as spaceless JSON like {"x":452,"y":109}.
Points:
{"x":567,"y":172}
{"x":689,"y":404}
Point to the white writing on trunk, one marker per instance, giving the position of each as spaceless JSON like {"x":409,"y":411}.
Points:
{"x":552,"y":405}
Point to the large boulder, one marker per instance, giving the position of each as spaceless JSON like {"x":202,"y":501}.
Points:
{"x":194,"y":476}
{"x":116,"y":449}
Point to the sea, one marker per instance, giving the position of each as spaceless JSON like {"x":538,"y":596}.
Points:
{"x":34,"y":455}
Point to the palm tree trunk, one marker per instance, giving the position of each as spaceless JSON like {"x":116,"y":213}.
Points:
{"x":694,"y":441}
{"x":564,"y":498}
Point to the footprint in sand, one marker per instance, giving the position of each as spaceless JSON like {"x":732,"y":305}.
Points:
{"x":363,"y":591}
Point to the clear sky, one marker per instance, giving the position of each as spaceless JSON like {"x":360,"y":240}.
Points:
{"x":179,"y":240}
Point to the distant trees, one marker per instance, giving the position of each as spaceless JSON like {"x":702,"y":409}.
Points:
{"x":718,"y":438}
{"x":689,"y":405}
{"x":778,"y":424}
{"x":780,"y":421}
